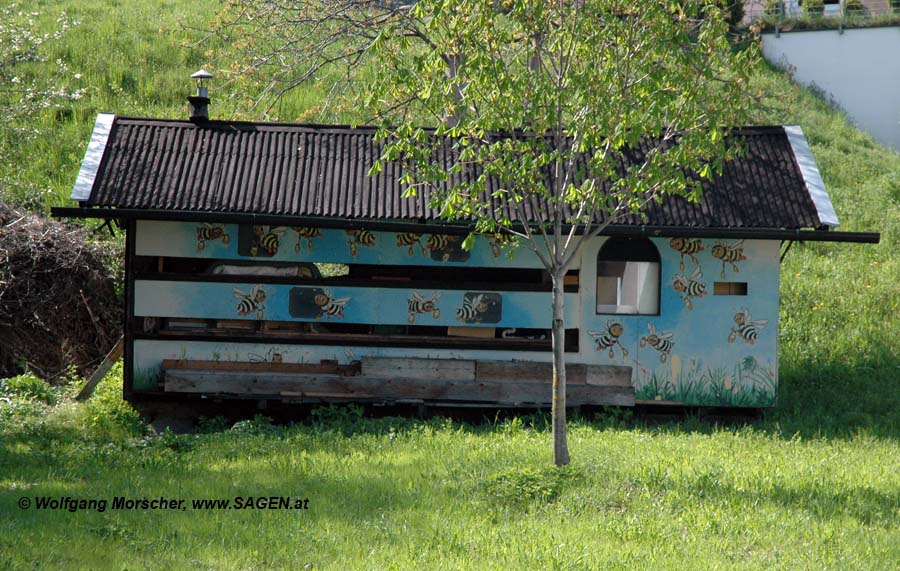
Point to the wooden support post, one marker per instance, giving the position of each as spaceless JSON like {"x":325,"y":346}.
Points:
{"x":114,"y":354}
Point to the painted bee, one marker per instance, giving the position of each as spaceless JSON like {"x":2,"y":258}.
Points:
{"x":210,"y":232}
{"x":441,"y":243}
{"x":662,"y":342}
{"x":418,"y":304}
{"x":689,"y":287}
{"x":412,"y":240}
{"x":305,"y":232}
{"x":359,"y":238}
{"x":500,"y":241}
{"x":330,"y":306}
{"x":610,"y":338}
{"x":471,"y":309}
{"x":729,"y":254}
{"x":250,"y":302}
{"x":268,"y":238}
{"x":745,"y":328}
{"x":687,"y":247}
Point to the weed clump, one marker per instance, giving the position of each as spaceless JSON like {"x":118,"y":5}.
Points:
{"x":520,"y":487}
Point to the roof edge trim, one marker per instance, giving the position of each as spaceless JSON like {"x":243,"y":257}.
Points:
{"x":811,"y":175}
{"x":459,"y":228}
{"x":84,"y":183}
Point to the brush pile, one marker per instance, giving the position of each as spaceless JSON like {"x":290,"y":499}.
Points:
{"x":59,"y":304}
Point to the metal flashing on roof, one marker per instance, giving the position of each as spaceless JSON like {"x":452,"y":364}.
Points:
{"x":811,"y":176}
{"x":92,"y":157}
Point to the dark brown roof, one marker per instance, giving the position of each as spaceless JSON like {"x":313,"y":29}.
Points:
{"x":318,"y":171}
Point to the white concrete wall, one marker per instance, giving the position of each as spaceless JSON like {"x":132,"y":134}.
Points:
{"x":860,"y":69}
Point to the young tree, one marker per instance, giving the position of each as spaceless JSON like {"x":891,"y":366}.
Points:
{"x":561,"y":117}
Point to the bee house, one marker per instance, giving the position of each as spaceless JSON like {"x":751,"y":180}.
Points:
{"x":264,"y":262}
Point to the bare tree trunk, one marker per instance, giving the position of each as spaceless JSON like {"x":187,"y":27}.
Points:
{"x":560,"y":446}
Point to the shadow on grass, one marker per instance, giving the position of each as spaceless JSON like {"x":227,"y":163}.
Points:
{"x":867,"y":506}
{"x":837,"y":401}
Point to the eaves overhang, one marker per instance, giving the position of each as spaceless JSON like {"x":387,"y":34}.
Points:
{"x":123,"y":214}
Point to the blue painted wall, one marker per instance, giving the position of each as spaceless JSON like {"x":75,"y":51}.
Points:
{"x":288,"y":244}
{"x":707,"y":350}
{"x":711,"y":359}
{"x":391,"y":306}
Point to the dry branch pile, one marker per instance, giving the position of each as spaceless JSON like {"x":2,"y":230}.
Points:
{"x":58,"y":300}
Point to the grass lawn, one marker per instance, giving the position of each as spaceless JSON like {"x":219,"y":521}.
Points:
{"x":402,"y":494}
{"x":814,"y":485}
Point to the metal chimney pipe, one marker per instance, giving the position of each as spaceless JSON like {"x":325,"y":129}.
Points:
{"x":198,"y":105}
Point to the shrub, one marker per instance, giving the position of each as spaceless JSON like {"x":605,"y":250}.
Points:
{"x":106,"y":414}
{"x":28,"y":387}
{"x":522,"y":486}
{"x":258,"y":425}
{"x":774,"y":9}
{"x":813,"y":8}
{"x":855,"y":9}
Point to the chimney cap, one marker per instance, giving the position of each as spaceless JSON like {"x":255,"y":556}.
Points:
{"x":201,"y":74}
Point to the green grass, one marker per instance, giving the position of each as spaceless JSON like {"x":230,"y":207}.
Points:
{"x":840,"y":308}
{"x":402,"y":494}
{"x":813,"y":485}
{"x":132,"y":57}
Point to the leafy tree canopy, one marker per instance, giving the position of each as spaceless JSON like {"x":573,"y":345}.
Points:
{"x":560,"y":116}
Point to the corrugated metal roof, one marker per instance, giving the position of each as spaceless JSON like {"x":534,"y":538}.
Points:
{"x":319,"y":171}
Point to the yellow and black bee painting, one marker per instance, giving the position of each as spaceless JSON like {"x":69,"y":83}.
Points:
{"x":316,"y":303}
{"x":251,"y":302}
{"x":687,"y":247}
{"x":359,"y":237}
{"x":411,"y":240}
{"x":729,"y":253}
{"x":661,"y":341}
{"x":307,"y":233}
{"x":480,"y":307}
{"x":609,"y":338}
{"x":259,"y":241}
{"x":745,"y":328}
{"x":446,"y":248}
{"x":419,"y":304}
{"x":689,"y":287}
{"x":499,"y":242}
{"x":210,"y":233}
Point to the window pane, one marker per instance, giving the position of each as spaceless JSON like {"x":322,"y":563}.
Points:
{"x":628,"y":277}
{"x":632,"y":288}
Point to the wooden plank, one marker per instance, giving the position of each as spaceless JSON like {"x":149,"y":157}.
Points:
{"x":325,"y":395}
{"x":472,"y":332}
{"x":235,"y":324}
{"x":390,"y":390}
{"x":419,"y":369}
{"x":370,"y":340}
{"x":114,"y":354}
{"x":608,"y":376}
{"x":263,"y":367}
{"x":525,"y":371}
